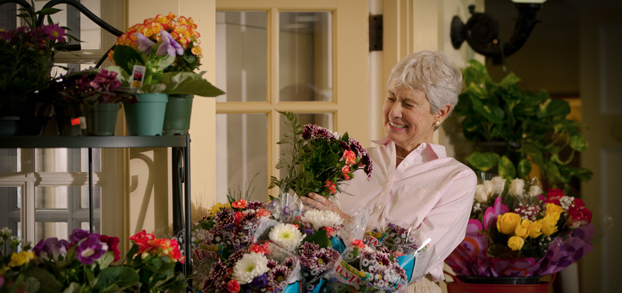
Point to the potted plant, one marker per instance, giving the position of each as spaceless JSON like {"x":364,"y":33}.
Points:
{"x":160,"y":55}
{"x":98,"y":94}
{"x":518,"y":233}
{"x":525,"y":128}
{"x":26,"y":59}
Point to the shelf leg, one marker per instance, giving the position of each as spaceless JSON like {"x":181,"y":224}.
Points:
{"x":187,"y":243}
{"x":91,"y":222}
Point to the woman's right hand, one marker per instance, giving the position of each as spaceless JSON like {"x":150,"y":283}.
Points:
{"x":321,"y":203}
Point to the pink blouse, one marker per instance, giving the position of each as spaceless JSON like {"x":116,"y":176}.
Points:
{"x":427,"y":190}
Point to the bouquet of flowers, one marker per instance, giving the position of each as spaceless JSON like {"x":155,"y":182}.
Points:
{"x":319,"y":160}
{"x":94,"y":86}
{"x":367,"y":269}
{"x":160,"y":55}
{"x":515,"y":230}
{"x":81,"y":264}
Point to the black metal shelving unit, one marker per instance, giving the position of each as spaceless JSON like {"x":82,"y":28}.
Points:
{"x":181,"y":169}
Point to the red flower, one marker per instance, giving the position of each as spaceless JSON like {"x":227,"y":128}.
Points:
{"x":263,"y":213}
{"x":358,"y":243}
{"x":330,"y":186}
{"x":233,"y":286}
{"x":579,"y":215}
{"x":240,"y":204}
{"x":143,"y":240}
{"x":554,"y":195}
{"x":345,"y":170}
{"x":330,"y":232}
{"x":256,"y":248}
{"x":349,"y":157}
{"x":238,"y":216}
{"x":113,"y":245}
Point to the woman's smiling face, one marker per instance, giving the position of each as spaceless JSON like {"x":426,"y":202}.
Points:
{"x":407,"y":117}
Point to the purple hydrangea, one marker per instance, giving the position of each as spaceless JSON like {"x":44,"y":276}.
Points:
{"x":259,"y":282}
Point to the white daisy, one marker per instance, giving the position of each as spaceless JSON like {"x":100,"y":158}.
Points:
{"x":286,"y":236}
{"x":321,"y":219}
{"x":250,"y":266}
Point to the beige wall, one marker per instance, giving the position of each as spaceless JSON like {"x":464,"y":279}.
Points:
{"x":148,"y":205}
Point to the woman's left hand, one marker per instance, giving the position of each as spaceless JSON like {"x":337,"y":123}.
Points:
{"x":323,"y":204}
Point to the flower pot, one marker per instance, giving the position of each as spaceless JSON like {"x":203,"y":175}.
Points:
{"x":20,"y":126}
{"x":177,"y":117}
{"x":101,"y":119}
{"x":69,"y":121}
{"x":465,"y":284}
{"x":147,"y":116}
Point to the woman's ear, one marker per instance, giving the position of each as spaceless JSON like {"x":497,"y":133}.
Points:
{"x":442,"y":113}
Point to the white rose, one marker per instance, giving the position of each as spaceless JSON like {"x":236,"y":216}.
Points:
{"x":489,"y":187}
{"x":535,"y":190}
{"x":517,"y":187}
{"x":480,"y":193}
{"x":499,"y":184}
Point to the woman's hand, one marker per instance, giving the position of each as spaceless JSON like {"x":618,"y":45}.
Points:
{"x":321,"y":203}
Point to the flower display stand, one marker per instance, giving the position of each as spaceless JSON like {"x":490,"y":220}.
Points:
{"x":515,"y":285}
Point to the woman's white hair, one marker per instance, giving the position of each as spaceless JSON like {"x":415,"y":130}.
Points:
{"x":431,"y":72}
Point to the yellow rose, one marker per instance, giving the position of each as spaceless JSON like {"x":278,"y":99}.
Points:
{"x":554,"y":211}
{"x":549,"y":225}
{"x":516,"y":243}
{"x":535,"y":229}
{"x":18,"y":259}
{"x":507,"y":222}
{"x":522,"y":230}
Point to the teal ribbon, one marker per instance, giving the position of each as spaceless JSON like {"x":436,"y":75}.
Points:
{"x":292,"y":288}
{"x":338,"y":244}
{"x":407,"y":262}
{"x":319,"y":286}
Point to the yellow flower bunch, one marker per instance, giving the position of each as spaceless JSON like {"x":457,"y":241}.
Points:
{"x":511,"y":224}
{"x":19,"y":259}
{"x":216,"y":208}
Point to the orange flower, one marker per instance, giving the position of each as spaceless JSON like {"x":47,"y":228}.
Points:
{"x":240,"y":204}
{"x":358,"y":243}
{"x":345,"y":170}
{"x":330,"y":186}
{"x":349,"y":157}
{"x":263,"y":213}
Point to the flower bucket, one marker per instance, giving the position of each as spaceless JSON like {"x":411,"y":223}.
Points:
{"x":505,"y":285}
{"x":101,"y":119}
{"x":177,"y":117}
{"x":147,"y":116}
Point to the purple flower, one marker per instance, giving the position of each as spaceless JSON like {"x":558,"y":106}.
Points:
{"x":144,"y":43}
{"x":51,"y":247}
{"x":77,"y":235}
{"x":169,"y":45}
{"x":91,"y":249}
{"x":277,"y":278}
{"x":259,"y":282}
{"x":1,"y":281}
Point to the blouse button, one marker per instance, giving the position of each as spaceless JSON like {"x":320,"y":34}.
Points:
{"x":379,"y":207}
{"x":405,"y":164}
{"x":388,"y":184}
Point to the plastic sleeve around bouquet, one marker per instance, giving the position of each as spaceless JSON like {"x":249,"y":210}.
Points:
{"x":286,"y":208}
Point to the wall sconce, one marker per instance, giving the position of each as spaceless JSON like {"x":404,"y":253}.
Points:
{"x":481,"y":31}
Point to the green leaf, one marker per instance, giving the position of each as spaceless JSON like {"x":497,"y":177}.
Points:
{"x":492,"y":112}
{"x":554,"y":107}
{"x":583,"y":174}
{"x":578,"y":142}
{"x":130,"y":254}
{"x":189,"y":83}
{"x":32,"y":285}
{"x":48,"y":11}
{"x":506,"y":168}
{"x":73,"y":288}
{"x":534,"y":153}
{"x":105,"y":260}
{"x":121,"y":276}
{"x":320,"y":238}
{"x":126,"y":57}
{"x":524,"y":168}
{"x":552,"y":171}
{"x":483,"y":161}
{"x":510,"y":79}
{"x":46,"y":279}
{"x":153,"y":88}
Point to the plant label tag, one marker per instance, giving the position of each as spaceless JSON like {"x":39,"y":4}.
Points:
{"x":82,"y":122}
{"x":75,"y":121}
{"x":138,"y":76}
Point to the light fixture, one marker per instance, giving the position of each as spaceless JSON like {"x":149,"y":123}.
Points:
{"x":482,"y":30}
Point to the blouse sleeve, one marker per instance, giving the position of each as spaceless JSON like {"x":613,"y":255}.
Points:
{"x":446,"y":223}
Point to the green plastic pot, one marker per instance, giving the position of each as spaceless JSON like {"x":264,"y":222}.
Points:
{"x":178,"y":111}
{"x":101,"y":119}
{"x":146,"y":118}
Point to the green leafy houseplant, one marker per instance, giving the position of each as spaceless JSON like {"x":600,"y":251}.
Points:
{"x":533,"y":125}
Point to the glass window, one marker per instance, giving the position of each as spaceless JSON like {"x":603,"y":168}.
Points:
{"x":10,"y":160}
{"x":10,"y":208}
{"x":241,"y":154}
{"x":44,"y":230}
{"x":79,"y":25}
{"x":66,"y":160}
{"x":241,"y":56}
{"x":305,"y":56}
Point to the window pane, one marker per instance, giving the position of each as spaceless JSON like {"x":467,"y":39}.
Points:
{"x":44,"y":230}
{"x":322,"y":119}
{"x":63,"y":197}
{"x":80,"y":26}
{"x":241,"y":154}
{"x":305,"y":56}
{"x":241,"y":56}
{"x":66,"y":160}
{"x":10,"y":160}
{"x":85,"y":226}
{"x":10,"y":206}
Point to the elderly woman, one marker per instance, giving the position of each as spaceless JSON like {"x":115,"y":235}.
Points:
{"x":414,"y":183}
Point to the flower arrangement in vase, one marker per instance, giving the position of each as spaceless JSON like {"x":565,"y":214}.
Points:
{"x":159,"y":56}
{"x":319,"y":161}
{"x":517,"y":231}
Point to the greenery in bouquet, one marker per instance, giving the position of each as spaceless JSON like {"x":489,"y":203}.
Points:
{"x":533,"y":126}
{"x":27,"y":55}
{"x":252,"y":269}
{"x":168,"y":49}
{"x":94,"y":86}
{"x":82,"y":264}
{"x":367,"y":269}
{"x":154,"y":259}
{"x":319,"y":161}
{"x":515,"y":230}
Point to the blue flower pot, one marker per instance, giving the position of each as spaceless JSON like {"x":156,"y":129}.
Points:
{"x":146,"y":117}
